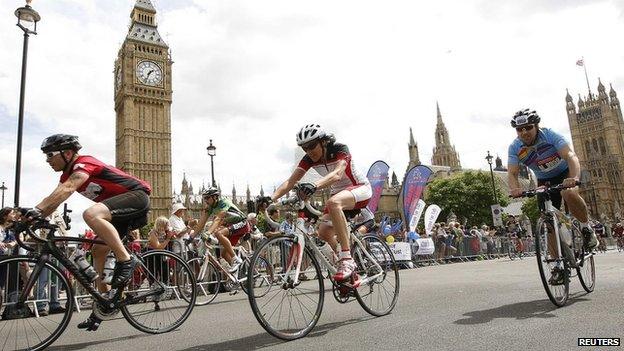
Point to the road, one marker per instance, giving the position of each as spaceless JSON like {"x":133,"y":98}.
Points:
{"x":484,"y":305}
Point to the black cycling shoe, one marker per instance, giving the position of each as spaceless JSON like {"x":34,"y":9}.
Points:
{"x":589,"y":238}
{"x":557,"y":276}
{"x":90,"y":324}
{"x":123,"y":272}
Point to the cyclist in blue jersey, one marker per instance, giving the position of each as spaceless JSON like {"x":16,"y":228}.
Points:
{"x":552,"y":160}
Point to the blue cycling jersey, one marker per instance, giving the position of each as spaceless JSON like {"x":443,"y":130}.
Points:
{"x":543,"y":156}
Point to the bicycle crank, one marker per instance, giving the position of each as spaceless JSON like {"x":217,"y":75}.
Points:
{"x":104,"y":313}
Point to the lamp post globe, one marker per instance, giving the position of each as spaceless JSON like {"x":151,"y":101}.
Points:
{"x":27,"y":19}
{"x":212,"y":152}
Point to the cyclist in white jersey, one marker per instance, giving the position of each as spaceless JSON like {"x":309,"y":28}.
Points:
{"x":349,"y":189}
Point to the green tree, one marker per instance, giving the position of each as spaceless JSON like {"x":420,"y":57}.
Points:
{"x":467,"y":194}
{"x":529,"y":208}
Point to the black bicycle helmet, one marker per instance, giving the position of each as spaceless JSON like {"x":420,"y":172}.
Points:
{"x":525,"y":117}
{"x":60,"y":142}
{"x":212,"y":191}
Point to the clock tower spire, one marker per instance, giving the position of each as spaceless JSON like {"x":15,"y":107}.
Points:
{"x":143,"y":106}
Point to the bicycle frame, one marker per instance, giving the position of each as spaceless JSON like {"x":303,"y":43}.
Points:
{"x":302,"y":239}
{"x":241,"y":253}
{"x":552,"y":214}
{"x":50,"y":248}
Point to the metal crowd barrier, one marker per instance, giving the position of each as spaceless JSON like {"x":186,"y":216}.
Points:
{"x":472,"y":248}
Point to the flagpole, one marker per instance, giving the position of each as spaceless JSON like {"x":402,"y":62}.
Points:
{"x":586,"y":79}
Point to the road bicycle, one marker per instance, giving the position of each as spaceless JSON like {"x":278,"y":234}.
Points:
{"x":158,"y":298}
{"x":210,"y":274}
{"x":559,"y":249}
{"x":292,"y":306}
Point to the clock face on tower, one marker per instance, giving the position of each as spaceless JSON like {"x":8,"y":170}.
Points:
{"x":149,"y":73}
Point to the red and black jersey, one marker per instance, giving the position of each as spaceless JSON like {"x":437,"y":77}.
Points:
{"x":104,"y":181}
{"x":335,"y":153}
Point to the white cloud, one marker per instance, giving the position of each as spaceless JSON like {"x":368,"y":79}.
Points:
{"x":248,"y":74}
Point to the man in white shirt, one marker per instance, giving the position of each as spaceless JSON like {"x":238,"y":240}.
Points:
{"x":177,"y":225}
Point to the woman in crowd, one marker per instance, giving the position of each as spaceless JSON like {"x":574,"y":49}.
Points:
{"x":159,"y":238}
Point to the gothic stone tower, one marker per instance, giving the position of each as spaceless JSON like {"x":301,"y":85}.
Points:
{"x":143,"y":106}
{"x":444,"y":153}
{"x":414,"y":158}
{"x":598,"y":138}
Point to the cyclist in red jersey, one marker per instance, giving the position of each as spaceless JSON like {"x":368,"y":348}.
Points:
{"x":349,"y":189}
{"x":122,"y":204}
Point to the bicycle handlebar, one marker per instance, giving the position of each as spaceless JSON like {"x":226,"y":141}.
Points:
{"x":546,"y":188}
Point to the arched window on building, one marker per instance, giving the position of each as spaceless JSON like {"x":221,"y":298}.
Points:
{"x":603,"y":148}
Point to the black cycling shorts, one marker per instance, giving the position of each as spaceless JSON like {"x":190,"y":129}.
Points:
{"x":128,"y":210}
{"x":555,"y":196}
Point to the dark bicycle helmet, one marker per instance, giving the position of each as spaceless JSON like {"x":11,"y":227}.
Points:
{"x":60,"y":142}
{"x":212,"y":191}
{"x":525,"y":117}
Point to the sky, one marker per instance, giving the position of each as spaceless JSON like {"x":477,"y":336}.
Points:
{"x":249,"y":74}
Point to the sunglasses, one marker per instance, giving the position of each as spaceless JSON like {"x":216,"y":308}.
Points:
{"x":525,"y":128}
{"x":51,"y":154}
{"x":309,"y":146}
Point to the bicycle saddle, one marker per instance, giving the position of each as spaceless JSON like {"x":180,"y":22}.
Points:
{"x":350,"y":214}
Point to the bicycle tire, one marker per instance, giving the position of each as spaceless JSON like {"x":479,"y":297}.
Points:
{"x":159,"y":264}
{"x":387,"y":284}
{"x":208,"y":286}
{"x":38,"y":326}
{"x":557,"y":296}
{"x":279,"y":287}
{"x":259,"y":280}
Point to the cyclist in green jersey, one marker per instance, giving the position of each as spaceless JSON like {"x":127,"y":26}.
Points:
{"x":228,"y":226}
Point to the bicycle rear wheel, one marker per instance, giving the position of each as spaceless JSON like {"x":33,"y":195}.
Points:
{"x":378,"y":296}
{"x":285,"y":310}
{"x":20,"y":329}
{"x":557,"y":290}
{"x":262,"y":270}
{"x":161,"y":294}
{"x":208,"y":280}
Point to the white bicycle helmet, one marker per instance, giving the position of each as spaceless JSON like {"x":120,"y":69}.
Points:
{"x":310,"y":132}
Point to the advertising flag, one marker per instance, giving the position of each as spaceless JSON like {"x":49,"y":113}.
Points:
{"x":377,"y":176}
{"x":431,"y":215}
{"x":418,"y":210}
{"x":413,"y":186}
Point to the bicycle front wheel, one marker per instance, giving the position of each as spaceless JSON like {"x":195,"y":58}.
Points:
{"x":285,"y":310}
{"x":208,"y":280}
{"x":555,"y":279}
{"x":380,"y":291}
{"x":20,"y":328}
{"x":162,"y":293}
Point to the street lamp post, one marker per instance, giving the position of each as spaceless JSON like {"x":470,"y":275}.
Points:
{"x":212,"y":151}
{"x":489,"y":160}
{"x":3,"y":188}
{"x":27,"y":19}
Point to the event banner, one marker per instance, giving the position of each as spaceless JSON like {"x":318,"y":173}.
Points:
{"x":420,"y":207}
{"x":377,"y":176}
{"x":431,"y":215}
{"x":413,"y":187}
{"x":425,"y":246}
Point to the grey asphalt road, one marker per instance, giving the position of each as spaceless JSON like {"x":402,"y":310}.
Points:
{"x":486,"y":305}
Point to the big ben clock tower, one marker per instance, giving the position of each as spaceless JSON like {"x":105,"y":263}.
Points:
{"x":143,"y":106}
